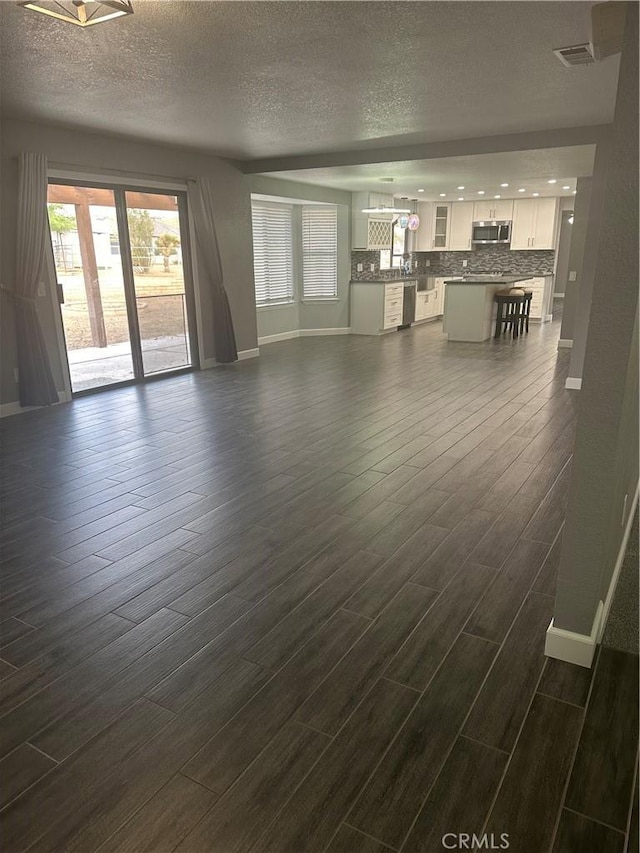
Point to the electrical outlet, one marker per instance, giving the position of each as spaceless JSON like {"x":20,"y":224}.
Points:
{"x":572,"y":275}
{"x":427,"y":263}
{"x":465,"y":264}
{"x":372,"y":267}
{"x":41,"y":289}
{"x":359,"y":267}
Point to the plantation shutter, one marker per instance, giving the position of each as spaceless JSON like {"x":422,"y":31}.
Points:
{"x":272,"y":252}
{"x":319,"y":252}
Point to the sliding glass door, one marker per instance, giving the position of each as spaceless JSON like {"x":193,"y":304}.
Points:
{"x":120,"y":264}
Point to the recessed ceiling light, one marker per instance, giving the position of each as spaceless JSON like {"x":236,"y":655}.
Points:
{"x":575,"y":191}
{"x":522,"y":190}
{"x":566,"y":188}
{"x":504,"y":185}
{"x":480,"y":192}
{"x":461,"y":198}
{"x":535,"y":193}
{"x":443,"y":195}
{"x":420,"y":191}
{"x":460,"y":188}
{"x":497,"y":196}
{"x":552,"y":181}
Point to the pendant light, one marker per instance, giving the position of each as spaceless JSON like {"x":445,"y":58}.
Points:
{"x":82,"y":13}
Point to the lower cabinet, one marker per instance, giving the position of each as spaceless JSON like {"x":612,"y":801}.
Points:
{"x":376,"y":307}
{"x":541,"y":289}
{"x":429,"y":303}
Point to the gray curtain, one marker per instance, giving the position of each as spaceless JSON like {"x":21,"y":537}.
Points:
{"x":37,"y":387}
{"x":201,"y":201}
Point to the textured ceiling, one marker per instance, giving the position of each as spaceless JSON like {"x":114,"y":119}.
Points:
{"x":531,"y":170}
{"x":255,"y":80}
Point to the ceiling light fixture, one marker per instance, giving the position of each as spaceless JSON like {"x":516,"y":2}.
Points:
{"x":82,"y":13}
{"x":480,"y":192}
{"x":536,"y":194}
{"x":443,"y":195}
{"x":566,"y":188}
{"x":504,"y":185}
{"x":522,"y":190}
{"x":460,"y":188}
{"x":552,"y":181}
{"x":461,"y":198}
{"x":420,"y":191}
{"x":497,"y":196}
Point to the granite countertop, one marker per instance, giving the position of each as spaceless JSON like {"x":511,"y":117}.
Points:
{"x":489,"y":279}
{"x":396,"y":280}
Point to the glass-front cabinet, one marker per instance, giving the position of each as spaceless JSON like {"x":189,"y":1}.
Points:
{"x":441,"y":217}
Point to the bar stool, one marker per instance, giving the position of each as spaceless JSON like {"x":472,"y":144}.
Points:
{"x":510,"y":312}
{"x":524,"y":320}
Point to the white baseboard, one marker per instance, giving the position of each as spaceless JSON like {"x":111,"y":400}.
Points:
{"x":14,"y":408}
{"x":618,"y":565}
{"x":207,"y":363}
{"x":302,"y":333}
{"x":547,"y":318}
{"x":565,"y":343}
{"x":571,"y":647}
{"x":311,"y":333}
{"x":281,"y":336}
{"x":573,"y":383}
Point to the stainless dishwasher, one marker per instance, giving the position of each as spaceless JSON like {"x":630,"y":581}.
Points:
{"x":408,"y":304}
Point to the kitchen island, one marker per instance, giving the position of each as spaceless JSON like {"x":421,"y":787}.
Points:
{"x":469,"y":309}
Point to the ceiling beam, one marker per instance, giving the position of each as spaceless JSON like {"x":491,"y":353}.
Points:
{"x":558,"y":138}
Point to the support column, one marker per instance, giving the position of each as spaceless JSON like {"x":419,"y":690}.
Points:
{"x":90,"y":273}
{"x":605,"y":465}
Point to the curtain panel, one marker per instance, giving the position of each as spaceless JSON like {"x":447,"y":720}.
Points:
{"x":201,"y":203}
{"x":37,"y":387}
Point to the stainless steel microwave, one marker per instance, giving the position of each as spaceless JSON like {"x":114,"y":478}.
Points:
{"x":491,"y":231}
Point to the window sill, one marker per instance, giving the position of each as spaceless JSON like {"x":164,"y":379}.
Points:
{"x":269,"y":306}
{"x":320,"y":300}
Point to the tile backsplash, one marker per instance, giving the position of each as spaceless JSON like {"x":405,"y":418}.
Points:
{"x":484,"y":259}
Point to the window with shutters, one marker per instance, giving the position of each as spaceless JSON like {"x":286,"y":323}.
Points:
{"x":272,"y":252}
{"x":319,"y":252}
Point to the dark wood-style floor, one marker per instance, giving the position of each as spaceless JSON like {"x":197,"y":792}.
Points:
{"x":299,"y":604}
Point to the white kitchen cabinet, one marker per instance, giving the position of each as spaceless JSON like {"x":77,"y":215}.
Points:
{"x":462,"y":213}
{"x":371,"y":231}
{"x":541,"y":287}
{"x":376,"y":307}
{"x":534,"y":223}
{"x":499,"y":209}
{"x":422,"y":305}
{"x":544,"y":235}
{"x":423,"y":237}
{"x":441,"y":226}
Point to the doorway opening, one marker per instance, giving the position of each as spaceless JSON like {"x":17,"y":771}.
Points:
{"x":123,"y":270}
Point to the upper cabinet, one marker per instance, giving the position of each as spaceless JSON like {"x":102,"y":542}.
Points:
{"x":441,"y":220}
{"x":498,"y":209}
{"x":422,"y":239}
{"x":462,"y":217}
{"x":371,"y":231}
{"x":534,"y":223}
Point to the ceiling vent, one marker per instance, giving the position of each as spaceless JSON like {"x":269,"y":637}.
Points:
{"x":607,"y":36}
{"x":577,"y":54}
